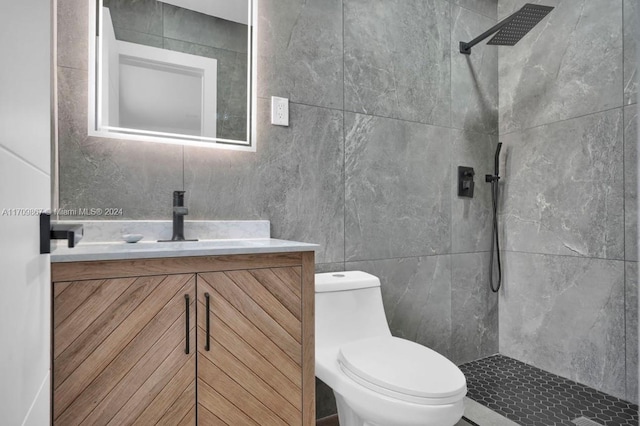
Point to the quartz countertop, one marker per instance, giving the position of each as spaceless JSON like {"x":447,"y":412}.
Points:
{"x":150,"y":249}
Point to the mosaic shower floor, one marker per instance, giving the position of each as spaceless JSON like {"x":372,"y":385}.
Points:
{"x":530,"y":396}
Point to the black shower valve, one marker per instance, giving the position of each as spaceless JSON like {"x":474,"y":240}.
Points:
{"x":465,"y":181}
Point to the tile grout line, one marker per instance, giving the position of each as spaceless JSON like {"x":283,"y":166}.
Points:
{"x":624,"y":221}
{"x":344,"y":150}
{"x":386,"y":117}
{"x":451,"y":192}
{"x":561,"y":121}
{"x":450,"y":253}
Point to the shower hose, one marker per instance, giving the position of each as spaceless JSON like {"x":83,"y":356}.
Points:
{"x":495,"y":242}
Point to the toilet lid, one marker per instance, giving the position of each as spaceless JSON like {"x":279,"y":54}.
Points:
{"x":403,"y":369}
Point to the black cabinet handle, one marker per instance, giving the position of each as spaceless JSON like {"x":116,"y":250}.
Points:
{"x":207,"y":345}
{"x":186,"y":303}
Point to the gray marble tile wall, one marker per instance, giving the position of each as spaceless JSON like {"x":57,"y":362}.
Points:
{"x":567,"y":66}
{"x":383,"y":111}
{"x":568,"y":119}
{"x":566,"y":316}
{"x":397,"y":59}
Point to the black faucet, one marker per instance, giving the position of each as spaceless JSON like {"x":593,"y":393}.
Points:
{"x":179,"y":212}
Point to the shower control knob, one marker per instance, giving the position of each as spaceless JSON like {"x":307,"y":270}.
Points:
{"x":465,"y":181}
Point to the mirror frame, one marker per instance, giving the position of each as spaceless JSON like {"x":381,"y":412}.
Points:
{"x":95,"y":128}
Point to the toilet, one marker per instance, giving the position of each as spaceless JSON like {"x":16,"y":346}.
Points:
{"x":378,"y":379}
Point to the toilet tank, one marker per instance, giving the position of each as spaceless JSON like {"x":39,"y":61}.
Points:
{"x":348,"y":307}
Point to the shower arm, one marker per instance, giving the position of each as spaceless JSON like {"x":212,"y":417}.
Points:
{"x":466,"y":47}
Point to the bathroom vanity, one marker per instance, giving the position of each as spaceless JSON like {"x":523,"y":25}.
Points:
{"x":192,"y":333}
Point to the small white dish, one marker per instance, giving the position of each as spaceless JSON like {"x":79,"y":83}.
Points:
{"x":132,"y":238}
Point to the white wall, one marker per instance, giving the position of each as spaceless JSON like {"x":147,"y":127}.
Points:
{"x":25,"y":138}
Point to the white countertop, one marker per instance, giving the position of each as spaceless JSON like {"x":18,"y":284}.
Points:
{"x":150,"y":249}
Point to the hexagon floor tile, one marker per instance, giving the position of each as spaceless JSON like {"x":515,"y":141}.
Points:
{"x":531,"y":396}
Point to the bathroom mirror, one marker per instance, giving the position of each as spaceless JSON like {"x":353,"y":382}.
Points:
{"x":173,"y":71}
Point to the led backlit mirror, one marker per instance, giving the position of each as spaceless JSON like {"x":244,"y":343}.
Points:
{"x":173,"y":71}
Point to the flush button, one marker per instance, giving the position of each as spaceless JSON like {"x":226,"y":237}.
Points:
{"x":338,"y":275}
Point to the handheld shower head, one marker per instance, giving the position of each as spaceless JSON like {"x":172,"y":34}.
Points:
{"x":496,"y":168}
{"x":497,"y":159}
{"x":511,"y":29}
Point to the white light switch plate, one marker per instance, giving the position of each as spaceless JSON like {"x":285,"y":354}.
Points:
{"x":279,"y":111}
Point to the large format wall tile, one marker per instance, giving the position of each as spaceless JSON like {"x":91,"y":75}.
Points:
{"x":631,"y":24}
{"x":300,"y":51}
{"x":474,"y":78}
{"x":295,"y":179}
{"x":471,"y":218}
{"x":631,"y":182}
{"x":416,"y":293}
{"x":631,"y":321}
{"x":398,"y":188}
{"x":474,"y":308}
{"x":569,"y":65}
{"x":103,"y":173}
{"x":566,"y":315}
{"x":563,"y":188}
{"x":397,"y":59}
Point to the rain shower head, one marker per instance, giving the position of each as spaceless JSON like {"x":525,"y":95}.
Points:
{"x":511,"y":29}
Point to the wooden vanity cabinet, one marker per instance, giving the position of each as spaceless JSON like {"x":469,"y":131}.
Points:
{"x":195,"y":340}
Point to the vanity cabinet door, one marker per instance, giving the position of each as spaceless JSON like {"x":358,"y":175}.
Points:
{"x":120,"y":351}
{"x":250,"y":347}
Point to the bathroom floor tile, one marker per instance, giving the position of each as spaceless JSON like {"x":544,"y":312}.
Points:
{"x":531,"y":396}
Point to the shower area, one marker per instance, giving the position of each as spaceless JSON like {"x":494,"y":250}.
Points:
{"x":568,"y":122}
{"x":565,"y":116}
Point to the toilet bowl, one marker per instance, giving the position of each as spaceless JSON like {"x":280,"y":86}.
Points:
{"x":378,"y":379}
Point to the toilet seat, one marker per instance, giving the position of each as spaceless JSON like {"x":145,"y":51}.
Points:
{"x":403,"y":370}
